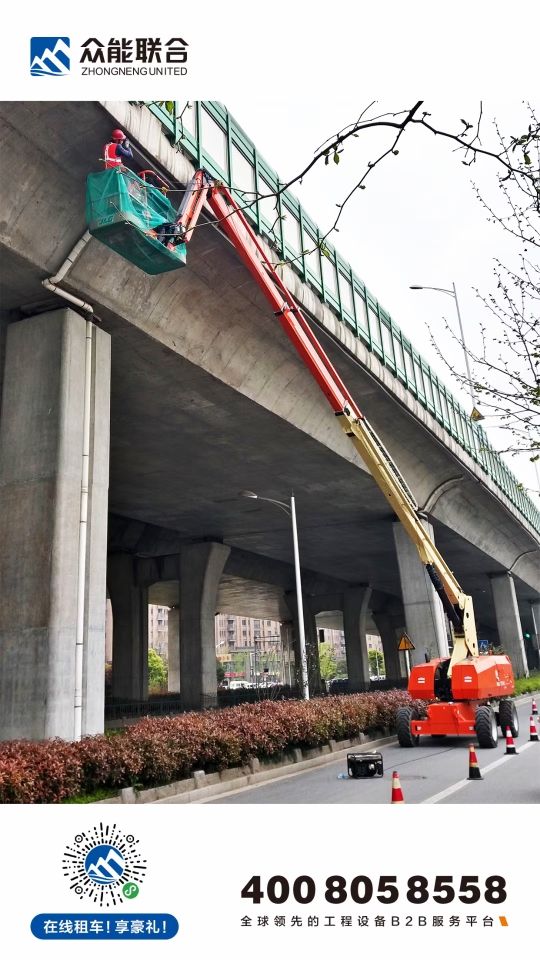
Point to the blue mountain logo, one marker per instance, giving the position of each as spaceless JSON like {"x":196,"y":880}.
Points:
{"x":104,"y":864}
{"x":49,"y":56}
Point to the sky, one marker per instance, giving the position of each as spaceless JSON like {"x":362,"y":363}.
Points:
{"x":417,"y":222}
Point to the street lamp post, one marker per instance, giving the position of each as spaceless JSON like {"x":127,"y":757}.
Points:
{"x":453,"y":293}
{"x":290,"y":510}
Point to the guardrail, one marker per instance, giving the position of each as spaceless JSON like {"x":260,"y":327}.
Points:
{"x":166,"y":705}
{"x":211,"y":137}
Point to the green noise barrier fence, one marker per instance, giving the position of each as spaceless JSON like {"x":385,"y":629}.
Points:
{"x":207,"y":133}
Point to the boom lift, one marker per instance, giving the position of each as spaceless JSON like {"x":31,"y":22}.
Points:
{"x":467,"y":690}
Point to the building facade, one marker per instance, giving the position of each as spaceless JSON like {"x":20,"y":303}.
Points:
{"x":157,"y":630}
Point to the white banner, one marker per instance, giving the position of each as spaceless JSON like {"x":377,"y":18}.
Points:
{"x":266,"y":879}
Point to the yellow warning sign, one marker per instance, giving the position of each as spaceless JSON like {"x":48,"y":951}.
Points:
{"x":405,"y":643}
{"x":476,"y":415}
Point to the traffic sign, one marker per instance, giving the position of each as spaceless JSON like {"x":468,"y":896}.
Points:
{"x":483,"y":646}
{"x":405,"y":643}
{"x":476,"y":415}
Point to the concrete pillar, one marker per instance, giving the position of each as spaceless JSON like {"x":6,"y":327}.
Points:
{"x":508,"y":623}
{"x":130,"y":628}
{"x":424,"y":614}
{"x":287,"y":647}
{"x":535,"y":610}
{"x":41,"y":445}
{"x":312,"y":648}
{"x":355,"y":608}
{"x":390,"y":631}
{"x":108,"y":631}
{"x":201,"y":566}
{"x":535,"y":638}
{"x":173,"y":650}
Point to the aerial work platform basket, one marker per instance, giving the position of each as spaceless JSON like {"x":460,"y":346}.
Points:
{"x":123,"y":211}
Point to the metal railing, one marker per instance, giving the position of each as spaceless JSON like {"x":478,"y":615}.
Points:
{"x":168,"y":705}
{"x":207,"y":133}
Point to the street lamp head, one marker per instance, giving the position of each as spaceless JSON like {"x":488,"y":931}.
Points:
{"x":416,"y":288}
{"x":248,"y":493}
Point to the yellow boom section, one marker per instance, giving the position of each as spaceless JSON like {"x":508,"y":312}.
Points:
{"x":389,"y":480}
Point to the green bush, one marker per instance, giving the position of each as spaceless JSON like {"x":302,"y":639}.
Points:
{"x":157,"y":670}
{"x":161,"y":750}
{"x":527,"y":684}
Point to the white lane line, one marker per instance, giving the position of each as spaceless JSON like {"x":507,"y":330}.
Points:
{"x":446,"y":793}
{"x":463,"y":783}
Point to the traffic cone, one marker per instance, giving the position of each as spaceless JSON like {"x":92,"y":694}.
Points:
{"x":474,"y":769}
{"x":533,"y":731}
{"x":510,"y":745}
{"x":534,"y":708}
{"x":397,"y":792}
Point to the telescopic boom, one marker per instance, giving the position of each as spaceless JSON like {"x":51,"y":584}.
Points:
{"x":457,"y":605}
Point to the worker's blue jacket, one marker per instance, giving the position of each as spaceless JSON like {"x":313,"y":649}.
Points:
{"x":113,"y":153}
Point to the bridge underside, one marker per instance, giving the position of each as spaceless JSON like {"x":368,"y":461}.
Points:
{"x":184,"y":444}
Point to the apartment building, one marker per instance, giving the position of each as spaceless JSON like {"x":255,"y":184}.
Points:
{"x":157,"y":629}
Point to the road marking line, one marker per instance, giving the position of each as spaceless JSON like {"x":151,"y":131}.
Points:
{"x":463,"y":783}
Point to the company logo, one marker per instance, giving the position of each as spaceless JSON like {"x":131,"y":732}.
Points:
{"x":49,"y":56}
{"x":104,"y":865}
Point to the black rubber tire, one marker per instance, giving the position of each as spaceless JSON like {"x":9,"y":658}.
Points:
{"x":486,"y":728}
{"x":405,"y":736}
{"x":508,"y":717}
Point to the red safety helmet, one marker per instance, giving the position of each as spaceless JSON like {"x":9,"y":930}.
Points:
{"x":118,"y":135}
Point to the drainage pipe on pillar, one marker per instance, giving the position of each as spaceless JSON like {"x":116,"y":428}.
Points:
{"x":83,"y":528}
{"x":51,"y":284}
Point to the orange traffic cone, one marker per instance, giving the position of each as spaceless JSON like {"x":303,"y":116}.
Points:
{"x":510,"y":745}
{"x":533,"y":731}
{"x":397,"y":792}
{"x":474,"y":769}
{"x":534,"y":708}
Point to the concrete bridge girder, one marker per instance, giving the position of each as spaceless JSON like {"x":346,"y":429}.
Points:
{"x":216,"y":281}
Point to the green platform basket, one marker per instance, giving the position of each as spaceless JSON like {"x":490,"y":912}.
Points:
{"x":121,"y":210}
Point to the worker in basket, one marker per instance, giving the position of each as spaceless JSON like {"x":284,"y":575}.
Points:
{"x":169,"y":233}
{"x":117,"y":148}
{"x":174,"y":233}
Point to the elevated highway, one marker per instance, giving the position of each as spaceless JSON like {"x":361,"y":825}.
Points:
{"x":207,"y":397}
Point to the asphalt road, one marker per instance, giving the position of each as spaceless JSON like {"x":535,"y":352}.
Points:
{"x":433,"y":772}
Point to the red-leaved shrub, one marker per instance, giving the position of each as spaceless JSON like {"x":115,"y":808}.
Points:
{"x":156,"y":751}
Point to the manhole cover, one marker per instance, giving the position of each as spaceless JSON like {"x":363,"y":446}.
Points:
{"x":411,"y":776}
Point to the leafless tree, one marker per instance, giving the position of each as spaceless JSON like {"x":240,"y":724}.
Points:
{"x":506,"y":369}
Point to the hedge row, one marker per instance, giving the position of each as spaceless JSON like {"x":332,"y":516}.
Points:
{"x":161,"y":750}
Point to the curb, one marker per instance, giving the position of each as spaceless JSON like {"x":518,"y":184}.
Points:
{"x":203,"y":785}
{"x":334,"y":752}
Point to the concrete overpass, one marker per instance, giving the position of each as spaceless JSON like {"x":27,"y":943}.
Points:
{"x":208,"y":397}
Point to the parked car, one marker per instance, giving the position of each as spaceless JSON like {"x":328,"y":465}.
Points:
{"x":338,"y":685}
